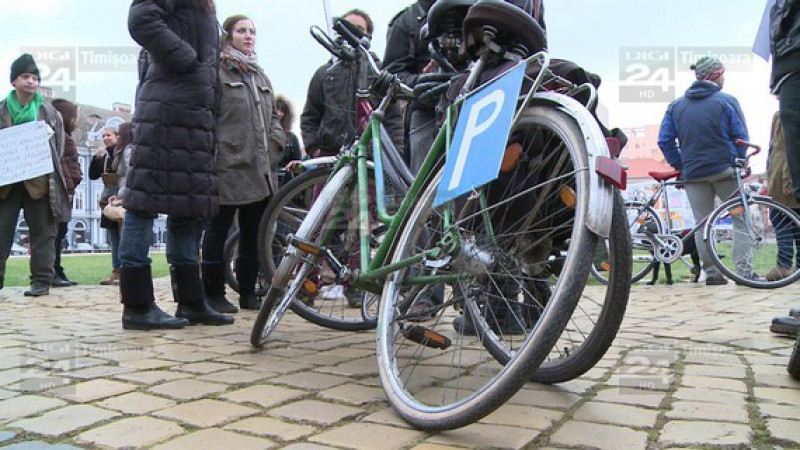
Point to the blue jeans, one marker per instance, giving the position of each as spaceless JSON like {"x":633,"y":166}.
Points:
{"x":788,"y":237}
{"x":137,"y":236}
{"x":113,"y":241}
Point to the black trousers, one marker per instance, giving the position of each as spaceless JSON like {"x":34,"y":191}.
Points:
{"x":790,"y":119}
{"x":216,"y":232}
{"x":58,"y":270}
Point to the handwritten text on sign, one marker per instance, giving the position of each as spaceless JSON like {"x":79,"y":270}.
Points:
{"x":24,"y":152}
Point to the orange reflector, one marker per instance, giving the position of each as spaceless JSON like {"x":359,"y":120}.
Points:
{"x":308,"y":248}
{"x":737,"y":211}
{"x":511,"y":157}
{"x":567,"y":196}
{"x":310,"y":287}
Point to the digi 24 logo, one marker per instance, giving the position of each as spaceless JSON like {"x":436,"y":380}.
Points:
{"x":57,"y":69}
{"x":647,"y":75}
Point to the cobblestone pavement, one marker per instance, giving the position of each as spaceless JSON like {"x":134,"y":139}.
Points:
{"x":693,"y":366}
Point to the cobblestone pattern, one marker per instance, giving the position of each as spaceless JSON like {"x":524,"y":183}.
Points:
{"x":692,"y":367}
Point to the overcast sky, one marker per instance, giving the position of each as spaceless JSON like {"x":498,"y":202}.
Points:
{"x":594,"y":34}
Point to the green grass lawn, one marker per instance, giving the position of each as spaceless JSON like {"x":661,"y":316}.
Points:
{"x":84,"y":268}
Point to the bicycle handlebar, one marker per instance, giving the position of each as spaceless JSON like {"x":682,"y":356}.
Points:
{"x":744,"y":163}
{"x":355,"y":42}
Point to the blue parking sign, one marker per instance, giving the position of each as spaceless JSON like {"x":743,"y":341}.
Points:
{"x":476,"y":153}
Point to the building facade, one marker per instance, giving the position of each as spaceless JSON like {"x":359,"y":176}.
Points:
{"x":84,"y":232}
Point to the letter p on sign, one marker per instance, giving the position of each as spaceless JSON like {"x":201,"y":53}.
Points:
{"x":476,"y":152}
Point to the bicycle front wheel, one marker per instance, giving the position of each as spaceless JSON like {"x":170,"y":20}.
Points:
{"x":755,"y":245}
{"x":230,"y":254}
{"x":298,"y":273}
{"x":523,"y":262}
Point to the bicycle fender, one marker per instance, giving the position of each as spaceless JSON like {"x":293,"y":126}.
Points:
{"x":601,"y":193}
{"x":324,"y":161}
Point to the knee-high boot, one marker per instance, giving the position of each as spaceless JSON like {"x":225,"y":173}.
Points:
{"x":140,"y":311}
{"x":247,"y":274}
{"x":214,"y":288}
{"x":187,"y":289}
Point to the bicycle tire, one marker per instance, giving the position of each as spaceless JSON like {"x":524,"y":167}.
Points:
{"x":281,"y":294}
{"x":229,"y":253}
{"x":763,"y":250}
{"x":563,"y":364}
{"x":568,"y":361}
{"x":794,"y":361}
{"x":410,"y":398}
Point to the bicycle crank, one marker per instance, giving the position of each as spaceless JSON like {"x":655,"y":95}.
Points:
{"x":668,"y":248}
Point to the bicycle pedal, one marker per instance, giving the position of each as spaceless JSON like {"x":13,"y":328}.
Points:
{"x":426,"y":337}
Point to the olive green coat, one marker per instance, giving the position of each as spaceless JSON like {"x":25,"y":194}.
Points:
{"x":778,"y":179}
{"x":249,"y":138}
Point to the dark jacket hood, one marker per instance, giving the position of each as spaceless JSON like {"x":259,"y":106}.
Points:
{"x":702,"y":89}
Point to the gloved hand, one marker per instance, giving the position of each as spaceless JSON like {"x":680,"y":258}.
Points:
{"x":431,"y":86}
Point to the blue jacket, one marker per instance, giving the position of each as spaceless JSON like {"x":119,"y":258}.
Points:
{"x":706,"y":122}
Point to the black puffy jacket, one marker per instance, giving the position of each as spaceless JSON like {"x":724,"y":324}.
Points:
{"x":785,"y":38}
{"x":172,"y":168}
{"x":407,"y":53}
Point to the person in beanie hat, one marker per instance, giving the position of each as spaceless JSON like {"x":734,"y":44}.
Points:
{"x":708,"y":68}
{"x":23,"y":64}
{"x":707,"y":123}
{"x":44,"y":199}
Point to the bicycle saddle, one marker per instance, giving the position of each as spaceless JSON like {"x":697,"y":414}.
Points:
{"x":664,"y":175}
{"x":439,"y":15}
{"x":509,"y":20}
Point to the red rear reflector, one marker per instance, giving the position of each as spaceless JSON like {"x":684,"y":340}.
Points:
{"x":611,"y":171}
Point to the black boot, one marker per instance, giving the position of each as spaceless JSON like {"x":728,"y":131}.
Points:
{"x":214,"y":288}
{"x":247,"y":274}
{"x":187,"y":289}
{"x":140,"y":311}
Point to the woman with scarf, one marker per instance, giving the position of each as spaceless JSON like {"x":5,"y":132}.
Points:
{"x":249,"y":138}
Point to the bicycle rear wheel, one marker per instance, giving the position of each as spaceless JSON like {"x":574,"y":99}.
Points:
{"x":748,"y":254}
{"x":640,"y":218}
{"x":596,"y":320}
{"x":299,"y":273}
{"x":523,"y":263}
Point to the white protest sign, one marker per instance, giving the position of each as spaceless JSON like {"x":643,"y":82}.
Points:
{"x":24,"y":152}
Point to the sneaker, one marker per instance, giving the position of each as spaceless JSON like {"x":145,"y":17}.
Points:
{"x":509,"y":324}
{"x":37,"y":289}
{"x":751,"y":276}
{"x":423,"y":309}
{"x":778,"y":273}
{"x":787,"y":325}
{"x":464,"y":326}
{"x":354,"y":297}
{"x":716,"y":280}
{"x":112,"y":280}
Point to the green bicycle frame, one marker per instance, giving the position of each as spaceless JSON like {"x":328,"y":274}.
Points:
{"x":373,"y":268}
